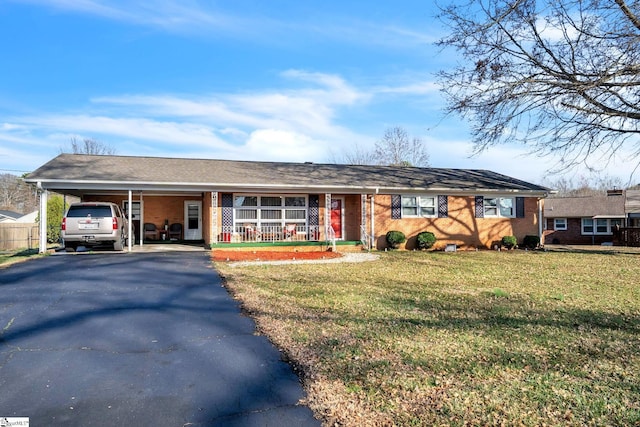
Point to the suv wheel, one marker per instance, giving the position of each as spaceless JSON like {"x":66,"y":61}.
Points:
{"x":120,"y":244}
{"x":70,"y":247}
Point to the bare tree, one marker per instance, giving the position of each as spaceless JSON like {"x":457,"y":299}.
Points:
{"x":396,"y":148}
{"x":88,"y":146}
{"x":561,"y":76}
{"x":356,"y":155}
{"x":583,"y":186}
{"x":16,"y":195}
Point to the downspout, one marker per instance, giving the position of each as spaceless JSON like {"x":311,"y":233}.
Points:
{"x":540,"y":219}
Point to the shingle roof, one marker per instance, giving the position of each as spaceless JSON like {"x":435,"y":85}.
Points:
{"x":10,"y":214}
{"x":583,"y":207}
{"x":228,"y":173}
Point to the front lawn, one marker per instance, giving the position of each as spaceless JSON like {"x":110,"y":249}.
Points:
{"x":466,"y":338}
{"x":11,"y":257}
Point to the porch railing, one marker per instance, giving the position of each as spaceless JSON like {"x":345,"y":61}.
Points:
{"x":251,"y":233}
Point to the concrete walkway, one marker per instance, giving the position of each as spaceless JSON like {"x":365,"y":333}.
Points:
{"x":140,"y":339}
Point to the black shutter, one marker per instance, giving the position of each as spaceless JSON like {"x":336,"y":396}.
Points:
{"x":519,"y":207}
{"x":396,"y":206}
{"x":443,"y":207}
{"x":479,"y":207}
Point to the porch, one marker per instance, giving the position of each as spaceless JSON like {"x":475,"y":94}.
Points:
{"x":270,"y":234}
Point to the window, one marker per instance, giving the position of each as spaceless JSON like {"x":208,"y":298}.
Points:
{"x":602,"y":226}
{"x":418,"y":206}
{"x":503,"y":207}
{"x":560,"y":224}
{"x":269,"y":211}
{"x":599,"y":226}
{"x":587,"y":226}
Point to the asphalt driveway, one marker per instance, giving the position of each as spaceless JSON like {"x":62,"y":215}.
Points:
{"x":140,"y":339}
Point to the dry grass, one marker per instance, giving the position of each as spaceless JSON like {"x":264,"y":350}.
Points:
{"x":480,"y":338}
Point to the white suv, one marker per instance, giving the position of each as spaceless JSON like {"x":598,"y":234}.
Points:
{"x":93,"y":224}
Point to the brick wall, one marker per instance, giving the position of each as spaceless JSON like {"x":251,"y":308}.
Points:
{"x":572,"y":235}
{"x":157,"y":209}
{"x":461,"y":227}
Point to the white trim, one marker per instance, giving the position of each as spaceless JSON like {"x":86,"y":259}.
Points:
{"x":555,"y":224}
{"x":44,"y":197}
{"x":498,"y":199}
{"x":192,"y":233}
{"x":129,"y":221}
{"x":594,"y":222}
{"x":418,"y":206}
{"x":342,"y":206}
{"x":259,"y":187}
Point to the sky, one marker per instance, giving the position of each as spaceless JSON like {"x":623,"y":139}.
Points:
{"x":273,"y":80}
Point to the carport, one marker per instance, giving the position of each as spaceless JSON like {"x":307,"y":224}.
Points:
{"x":154,"y":213}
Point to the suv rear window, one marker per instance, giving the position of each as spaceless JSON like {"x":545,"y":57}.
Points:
{"x":93,"y":211}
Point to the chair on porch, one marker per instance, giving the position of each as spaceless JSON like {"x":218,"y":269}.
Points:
{"x":151,"y":231}
{"x":251,"y":233}
{"x":175,"y":231}
{"x":289,"y":231}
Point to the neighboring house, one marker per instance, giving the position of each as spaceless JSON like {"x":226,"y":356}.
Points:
{"x":28,"y":218}
{"x":632,"y":208}
{"x":238,"y":203}
{"x":9,"y":216}
{"x":591,"y":220}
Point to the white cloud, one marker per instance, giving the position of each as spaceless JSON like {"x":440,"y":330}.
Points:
{"x":283,"y":146}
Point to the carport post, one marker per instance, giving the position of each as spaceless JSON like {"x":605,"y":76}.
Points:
{"x":131,"y":237}
{"x":44,"y":195}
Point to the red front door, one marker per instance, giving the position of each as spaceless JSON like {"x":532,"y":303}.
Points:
{"x":336,"y":217}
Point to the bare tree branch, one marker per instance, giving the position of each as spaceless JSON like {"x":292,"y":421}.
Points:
{"x":88,"y":146}
{"x":561,"y":76}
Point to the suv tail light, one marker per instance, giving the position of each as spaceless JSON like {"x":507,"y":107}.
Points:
{"x":115,"y":223}
{"x":64,"y":224}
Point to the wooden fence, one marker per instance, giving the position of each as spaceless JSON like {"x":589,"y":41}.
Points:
{"x":19,"y":236}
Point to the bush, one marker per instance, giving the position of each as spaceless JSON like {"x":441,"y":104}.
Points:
{"x":531,"y":242}
{"x":395,"y":238}
{"x":509,"y":242}
{"x":426,"y":239}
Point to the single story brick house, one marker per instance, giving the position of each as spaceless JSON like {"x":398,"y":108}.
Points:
{"x":591,"y":220}
{"x":247,"y":203}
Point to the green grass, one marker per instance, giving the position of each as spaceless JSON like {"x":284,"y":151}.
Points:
{"x":466,"y":338}
{"x":10,"y":257}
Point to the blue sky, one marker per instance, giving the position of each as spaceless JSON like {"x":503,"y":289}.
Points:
{"x":259,"y":80}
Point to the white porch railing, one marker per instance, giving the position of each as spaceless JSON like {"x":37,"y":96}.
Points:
{"x":365,"y":238}
{"x":251,"y":233}
{"x":331,"y":236}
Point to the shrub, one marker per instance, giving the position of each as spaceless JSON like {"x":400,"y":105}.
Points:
{"x":531,"y":241}
{"x":426,"y":239}
{"x":509,"y":241}
{"x":394,"y":238}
